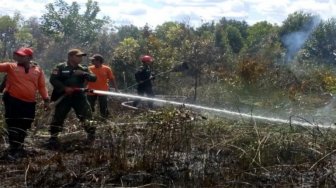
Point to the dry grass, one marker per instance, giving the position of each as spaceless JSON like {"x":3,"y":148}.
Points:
{"x":176,"y":147}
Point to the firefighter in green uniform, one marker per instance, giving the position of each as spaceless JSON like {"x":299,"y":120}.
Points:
{"x":68,"y":80}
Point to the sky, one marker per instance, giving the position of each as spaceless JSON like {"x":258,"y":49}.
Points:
{"x":192,"y":12}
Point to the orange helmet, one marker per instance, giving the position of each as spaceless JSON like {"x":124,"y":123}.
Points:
{"x":146,"y":59}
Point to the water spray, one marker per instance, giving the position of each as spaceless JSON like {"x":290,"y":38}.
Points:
{"x":223,"y":111}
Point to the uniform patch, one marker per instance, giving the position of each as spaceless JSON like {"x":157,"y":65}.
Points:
{"x":66,"y":72}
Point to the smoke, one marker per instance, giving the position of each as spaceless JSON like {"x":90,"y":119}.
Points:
{"x":295,"y":40}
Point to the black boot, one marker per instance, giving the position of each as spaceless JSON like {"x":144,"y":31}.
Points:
{"x":53,"y":143}
{"x":15,"y":151}
{"x":12,"y":154}
{"x":90,"y":139}
{"x":9,"y":155}
{"x":91,"y":132}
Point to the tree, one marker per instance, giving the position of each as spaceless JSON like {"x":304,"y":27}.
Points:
{"x":126,"y":58}
{"x":200,"y":53}
{"x":161,"y":30}
{"x":8,"y":29}
{"x":263,"y":40}
{"x":234,"y":38}
{"x":168,"y":43}
{"x":172,"y":33}
{"x":66,"y":24}
{"x":68,"y":28}
{"x":322,"y":43}
{"x":24,"y":37}
{"x":146,"y":34}
{"x":104,"y":44}
{"x":242,"y":26}
{"x":40,"y":40}
{"x":296,"y":30}
{"x":206,"y":29}
{"x":230,"y":34}
{"x":127,"y":31}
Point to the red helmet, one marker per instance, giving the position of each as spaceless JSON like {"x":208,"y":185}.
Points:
{"x":146,"y":59}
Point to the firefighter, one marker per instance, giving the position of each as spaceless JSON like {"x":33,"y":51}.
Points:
{"x":67,"y":78}
{"x":144,"y":79}
{"x":104,"y":76}
{"x":24,"y":79}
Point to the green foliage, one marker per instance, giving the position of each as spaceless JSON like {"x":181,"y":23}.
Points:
{"x":206,"y":29}
{"x":214,"y":51}
{"x":104,"y":44}
{"x":126,"y":60}
{"x":65,"y":23}
{"x":172,"y":33}
{"x":171,"y":39}
{"x":25,"y":37}
{"x":221,"y":40}
{"x":263,"y":40}
{"x":8,"y":28}
{"x":240,"y":25}
{"x":234,"y":38}
{"x":128,"y":31}
{"x":295,"y":32}
{"x":163,"y":30}
{"x":296,"y":22}
{"x":38,"y":39}
{"x":230,"y":35}
{"x":200,"y":54}
{"x":127,"y":51}
{"x":322,"y":44}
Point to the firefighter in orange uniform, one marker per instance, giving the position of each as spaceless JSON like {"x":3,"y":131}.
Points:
{"x":104,"y":76}
{"x":24,"y":79}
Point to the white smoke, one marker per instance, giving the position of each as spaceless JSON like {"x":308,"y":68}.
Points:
{"x":295,"y":40}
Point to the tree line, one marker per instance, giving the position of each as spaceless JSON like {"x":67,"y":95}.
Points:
{"x":212,"y":49}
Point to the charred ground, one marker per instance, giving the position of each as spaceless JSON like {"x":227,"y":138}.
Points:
{"x":177,"y":147}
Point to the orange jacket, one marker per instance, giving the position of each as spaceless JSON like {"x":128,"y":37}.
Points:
{"x":104,"y":75}
{"x":22,"y":85}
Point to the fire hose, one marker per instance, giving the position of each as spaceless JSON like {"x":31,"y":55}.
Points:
{"x":216,"y":110}
{"x":203,"y":108}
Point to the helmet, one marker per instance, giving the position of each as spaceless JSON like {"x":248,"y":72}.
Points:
{"x":146,"y":59}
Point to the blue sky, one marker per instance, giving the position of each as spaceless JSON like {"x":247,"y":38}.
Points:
{"x":193,"y":12}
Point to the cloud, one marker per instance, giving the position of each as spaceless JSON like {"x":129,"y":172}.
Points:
{"x":135,"y":12}
{"x":154,"y":12}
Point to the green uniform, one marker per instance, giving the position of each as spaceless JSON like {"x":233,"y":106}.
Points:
{"x":63,"y":76}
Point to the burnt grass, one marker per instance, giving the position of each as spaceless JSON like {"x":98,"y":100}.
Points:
{"x":176,"y":147}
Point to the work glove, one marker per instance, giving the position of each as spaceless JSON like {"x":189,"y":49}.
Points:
{"x":68,"y":90}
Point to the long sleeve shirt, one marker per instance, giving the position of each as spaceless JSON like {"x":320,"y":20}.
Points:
{"x":143,"y":77}
{"x":24,"y":85}
{"x":63,"y":76}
